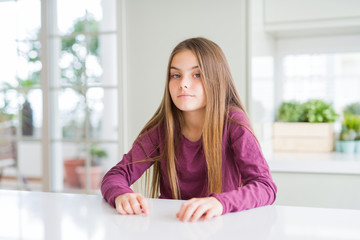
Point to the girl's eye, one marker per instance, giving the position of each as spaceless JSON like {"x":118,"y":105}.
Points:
{"x":175,"y":76}
{"x":197,"y":75}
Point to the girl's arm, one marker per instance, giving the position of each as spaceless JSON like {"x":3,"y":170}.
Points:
{"x":118,"y":179}
{"x":257,"y":187}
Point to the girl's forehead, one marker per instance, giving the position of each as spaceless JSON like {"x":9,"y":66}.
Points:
{"x":185,"y":58}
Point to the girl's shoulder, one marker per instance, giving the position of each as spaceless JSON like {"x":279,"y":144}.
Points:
{"x":154,"y":134}
{"x":235,"y":114}
{"x":237,"y":121}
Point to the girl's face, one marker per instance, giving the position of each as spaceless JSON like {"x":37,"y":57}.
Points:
{"x":186,"y":87}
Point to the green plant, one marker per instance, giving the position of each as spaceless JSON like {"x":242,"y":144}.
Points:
{"x":318,"y":111}
{"x":352,"y":109}
{"x":97,"y":154}
{"x":314,"y":111}
{"x":75,"y":73}
{"x":290,"y":111}
{"x":6,"y":113}
{"x":350,"y":129}
{"x":347,"y":135}
{"x":30,"y":52}
{"x":74,"y":45}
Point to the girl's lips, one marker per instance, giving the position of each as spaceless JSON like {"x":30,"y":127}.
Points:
{"x":185,"y":95}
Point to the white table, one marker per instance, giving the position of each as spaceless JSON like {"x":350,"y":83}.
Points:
{"x":36,"y":215}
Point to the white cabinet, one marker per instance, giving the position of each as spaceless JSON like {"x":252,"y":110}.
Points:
{"x":318,"y":190}
{"x":305,"y":17}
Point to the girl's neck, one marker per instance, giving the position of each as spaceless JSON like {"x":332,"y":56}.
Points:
{"x":193,"y":124}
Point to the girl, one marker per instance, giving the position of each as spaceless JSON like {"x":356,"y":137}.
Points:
{"x":199,"y":142}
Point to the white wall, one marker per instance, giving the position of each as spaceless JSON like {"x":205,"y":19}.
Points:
{"x":153,"y":28}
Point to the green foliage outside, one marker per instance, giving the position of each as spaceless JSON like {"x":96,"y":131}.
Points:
{"x":97,"y":154}
{"x":8,"y":112}
{"x":313,"y":111}
{"x":78,"y":48}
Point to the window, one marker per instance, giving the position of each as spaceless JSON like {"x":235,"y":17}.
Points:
{"x":83,"y":88}
{"x":334,"y":77}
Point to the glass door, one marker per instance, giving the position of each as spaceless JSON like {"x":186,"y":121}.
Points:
{"x":84,"y":94}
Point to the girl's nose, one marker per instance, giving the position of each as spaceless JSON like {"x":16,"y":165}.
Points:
{"x":184,"y":83}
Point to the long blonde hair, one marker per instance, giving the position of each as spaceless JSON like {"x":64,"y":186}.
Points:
{"x":220,"y":94}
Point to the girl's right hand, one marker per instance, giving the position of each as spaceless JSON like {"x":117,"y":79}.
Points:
{"x":131,"y":203}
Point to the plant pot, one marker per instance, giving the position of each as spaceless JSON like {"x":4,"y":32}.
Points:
{"x":357,"y":146}
{"x":338,"y":145}
{"x":348,"y":147}
{"x":96,"y":175}
{"x":303,"y":137}
{"x":27,"y":119}
{"x":70,"y":166}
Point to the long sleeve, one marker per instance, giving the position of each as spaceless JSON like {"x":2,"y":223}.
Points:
{"x":256,"y":187}
{"x":119,"y":178}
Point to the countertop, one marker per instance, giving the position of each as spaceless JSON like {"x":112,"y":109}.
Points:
{"x":38,"y":215}
{"x":323,"y":163}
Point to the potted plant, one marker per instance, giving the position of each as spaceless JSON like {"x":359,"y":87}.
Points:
{"x":349,"y":141}
{"x":96,"y":171}
{"x":290,"y":112}
{"x":26,"y":108}
{"x":304,"y":127}
{"x":70,"y":166}
{"x":318,"y":111}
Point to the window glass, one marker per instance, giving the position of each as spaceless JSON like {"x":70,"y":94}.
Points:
{"x":102,"y":158}
{"x":20,"y":92}
{"x":28,"y":19}
{"x":100,"y":15}
{"x":84,"y":88}
{"x":103,"y":113}
{"x":71,"y":110}
{"x":332,"y":77}
{"x":101,"y":66}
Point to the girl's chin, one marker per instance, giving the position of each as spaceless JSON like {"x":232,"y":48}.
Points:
{"x":190,"y":108}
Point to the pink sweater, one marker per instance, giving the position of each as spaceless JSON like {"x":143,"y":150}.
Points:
{"x":246,"y":179}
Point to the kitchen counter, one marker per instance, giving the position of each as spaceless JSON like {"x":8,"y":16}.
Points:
{"x":324,"y":163}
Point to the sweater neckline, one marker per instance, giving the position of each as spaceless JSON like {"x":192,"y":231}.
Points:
{"x":191,"y":142}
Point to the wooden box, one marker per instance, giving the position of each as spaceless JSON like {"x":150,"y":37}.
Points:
{"x":303,"y":137}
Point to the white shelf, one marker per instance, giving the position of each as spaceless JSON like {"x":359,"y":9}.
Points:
{"x":324,"y":163}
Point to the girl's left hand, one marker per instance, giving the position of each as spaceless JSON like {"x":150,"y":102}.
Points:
{"x":196,"y":208}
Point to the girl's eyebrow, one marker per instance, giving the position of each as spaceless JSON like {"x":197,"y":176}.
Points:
{"x":178,"y":69}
